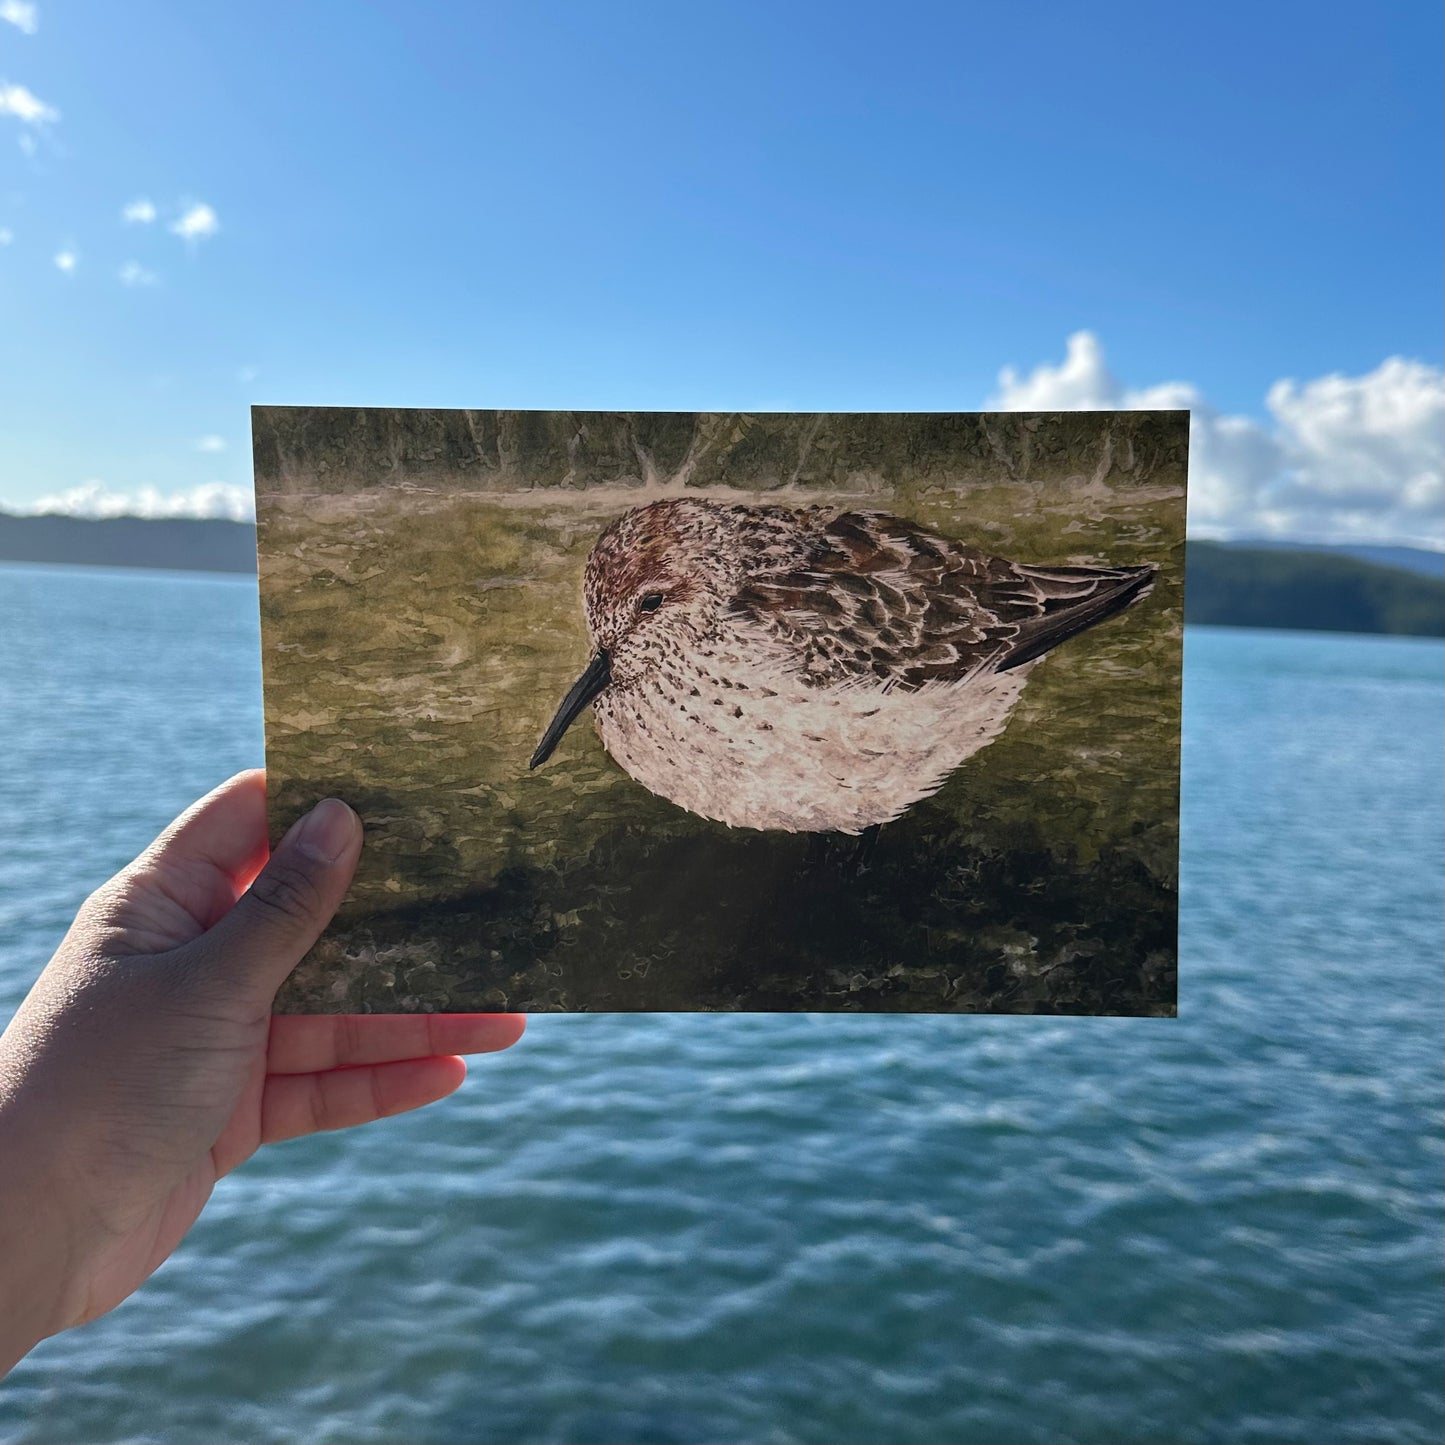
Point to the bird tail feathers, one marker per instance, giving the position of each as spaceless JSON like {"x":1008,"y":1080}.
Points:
{"x":1075,"y":599}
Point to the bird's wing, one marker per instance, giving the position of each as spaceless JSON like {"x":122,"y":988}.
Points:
{"x":871,"y":595}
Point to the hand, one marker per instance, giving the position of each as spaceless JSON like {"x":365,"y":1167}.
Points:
{"x":145,"y":1063}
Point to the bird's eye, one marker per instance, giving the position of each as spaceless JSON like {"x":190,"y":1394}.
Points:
{"x":650,"y":603}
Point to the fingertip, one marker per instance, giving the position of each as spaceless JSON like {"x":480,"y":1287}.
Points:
{"x":513,"y":1026}
{"x":225,"y":830}
{"x":249,"y":785}
{"x":418,"y":1082}
{"x":292,"y":898}
{"x":473,"y":1033}
{"x":328,"y":833}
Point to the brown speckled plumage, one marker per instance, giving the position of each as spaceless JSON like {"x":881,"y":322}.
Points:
{"x":815,"y":668}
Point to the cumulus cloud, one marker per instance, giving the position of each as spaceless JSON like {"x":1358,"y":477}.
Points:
{"x":196,"y":221}
{"x":25,"y":106}
{"x":66,"y":260}
{"x":95,"y":499}
{"x":211,"y":444}
{"x":1363,"y":443}
{"x":132,"y":273}
{"x":1339,"y":458}
{"x":22,"y":14}
{"x":1081,"y":383}
{"x":139,"y":212}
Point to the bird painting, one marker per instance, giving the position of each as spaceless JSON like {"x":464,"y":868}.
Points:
{"x":813,"y":669}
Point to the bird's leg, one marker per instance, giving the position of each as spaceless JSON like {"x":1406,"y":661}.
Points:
{"x":864,"y":848}
{"x":829,"y":850}
{"x":818,"y":850}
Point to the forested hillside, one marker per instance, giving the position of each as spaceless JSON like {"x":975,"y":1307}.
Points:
{"x":1228,"y":585}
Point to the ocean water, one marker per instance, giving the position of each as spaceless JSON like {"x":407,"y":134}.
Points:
{"x":1225,"y":1227}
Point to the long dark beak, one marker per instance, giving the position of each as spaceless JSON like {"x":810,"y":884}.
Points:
{"x":597,"y":676}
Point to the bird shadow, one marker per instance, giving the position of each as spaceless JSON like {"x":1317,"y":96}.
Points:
{"x":924,"y":918}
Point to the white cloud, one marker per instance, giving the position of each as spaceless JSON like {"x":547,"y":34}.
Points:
{"x":132,"y":273}
{"x":1340,"y":458}
{"x":195,"y":221}
{"x":26,"y":107}
{"x":211,"y":444}
{"x":1081,"y":383}
{"x":1365,"y":442}
{"x":66,"y":260}
{"x":139,"y":212}
{"x":22,"y":14}
{"x":95,"y":499}
{"x":6,"y":235}
{"x":247,"y":374}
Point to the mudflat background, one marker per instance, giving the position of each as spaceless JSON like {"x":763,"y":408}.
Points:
{"x":422,"y":615}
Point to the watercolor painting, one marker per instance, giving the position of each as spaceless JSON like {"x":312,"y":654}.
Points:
{"x":674,"y":711}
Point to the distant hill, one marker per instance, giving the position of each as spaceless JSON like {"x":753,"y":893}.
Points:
{"x":1411,"y":559}
{"x":184,"y":543}
{"x":1233,"y":586}
{"x":1229,"y":584}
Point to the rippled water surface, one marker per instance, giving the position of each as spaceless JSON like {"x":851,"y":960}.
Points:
{"x":806,"y":1228}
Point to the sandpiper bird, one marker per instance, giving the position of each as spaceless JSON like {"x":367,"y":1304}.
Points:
{"x":811,"y":669}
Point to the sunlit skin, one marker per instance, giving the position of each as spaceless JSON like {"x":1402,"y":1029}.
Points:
{"x":145,"y":1064}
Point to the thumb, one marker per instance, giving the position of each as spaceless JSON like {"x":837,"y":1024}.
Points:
{"x":292,"y":899}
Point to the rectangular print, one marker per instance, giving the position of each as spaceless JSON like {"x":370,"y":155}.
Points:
{"x":714,"y":711}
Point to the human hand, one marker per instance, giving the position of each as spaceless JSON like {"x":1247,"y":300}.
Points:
{"x":145,"y":1062}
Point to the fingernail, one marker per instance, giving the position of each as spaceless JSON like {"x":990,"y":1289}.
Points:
{"x":327,"y":830}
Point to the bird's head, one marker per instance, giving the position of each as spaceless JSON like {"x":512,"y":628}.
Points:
{"x":656,"y":584}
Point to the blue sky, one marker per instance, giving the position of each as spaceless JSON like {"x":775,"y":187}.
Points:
{"x":751,"y":206}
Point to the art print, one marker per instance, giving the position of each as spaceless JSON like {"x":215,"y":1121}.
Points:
{"x":732,"y":712}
